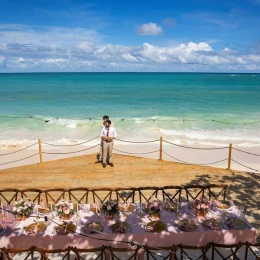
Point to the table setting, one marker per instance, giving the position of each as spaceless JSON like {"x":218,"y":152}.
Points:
{"x":156,"y":222}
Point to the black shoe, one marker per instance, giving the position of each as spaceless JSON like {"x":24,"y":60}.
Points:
{"x":111,"y":164}
{"x":104,"y":165}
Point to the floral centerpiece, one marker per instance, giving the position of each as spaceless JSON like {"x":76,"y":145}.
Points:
{"x":153,"y":208}
{"x":110,"y":209}
{"x":201,"y":206}
{"x":22,"y":208}
{"x":65,"y":209}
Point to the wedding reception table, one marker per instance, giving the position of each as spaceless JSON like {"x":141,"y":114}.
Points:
{"x":16,"y":237}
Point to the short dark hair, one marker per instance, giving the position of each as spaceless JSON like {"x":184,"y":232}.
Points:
{"x":109,"y":122}
{"x":105,"y":117}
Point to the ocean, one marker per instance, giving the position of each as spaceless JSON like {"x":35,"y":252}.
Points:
{"x":205,"y":109}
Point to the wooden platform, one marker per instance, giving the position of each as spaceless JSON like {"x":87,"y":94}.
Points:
{"x":131,"y":171}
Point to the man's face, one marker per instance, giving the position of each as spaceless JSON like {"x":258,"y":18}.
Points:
{"x":107,"y":124}
{"x":104,"y":120}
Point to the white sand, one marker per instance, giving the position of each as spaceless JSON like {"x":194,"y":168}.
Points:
{"x":188,"y":155}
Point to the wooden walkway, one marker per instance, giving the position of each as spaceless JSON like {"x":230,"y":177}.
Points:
{"x":132,"y":171}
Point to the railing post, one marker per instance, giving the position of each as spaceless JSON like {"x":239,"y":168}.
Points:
{"x":161,"y":141}
{"x":229,"y":156}
{"x":40,"y":149}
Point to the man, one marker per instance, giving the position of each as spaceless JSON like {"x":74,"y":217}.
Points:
{"x":108,"y":134}
{"x":100,"y":155}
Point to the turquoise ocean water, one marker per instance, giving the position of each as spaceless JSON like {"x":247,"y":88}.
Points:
{"x":150,"y":104}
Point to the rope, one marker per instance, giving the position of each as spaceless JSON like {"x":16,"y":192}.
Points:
{"x":136,"y":153}
{"x":245,"y":166}
{"x":20,"y":159}
{"x":75,"y":151}
{"x":135,"y":142}
{"x":126,"y":119}
{"x":195,"y":148}
{"x":72,"y":144}
{"x":19,"y":150}
{"x":246,"y":152}
{"x":195,"y":163}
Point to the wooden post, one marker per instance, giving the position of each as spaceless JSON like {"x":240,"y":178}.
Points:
{"x":40,"y":150}
{"x":229,"y":156}
{"x":161,"y":140}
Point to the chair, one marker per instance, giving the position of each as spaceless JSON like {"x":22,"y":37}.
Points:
{"x":194,"y":191}
{"x":21,"y":254}
{"x":217,"y":191}
{"x":123,"y":253}
{"x":100,"y":195}
{"x":252,"y":251}
{"x":163,"y":253}
{"x":193,"y":252}
{"x":54,"y":195}
{"x":225,"y":252}
{"x":32,"y":194}
{"x":124,"y":195}
{"x":90,"y":254}
{"x":78,"y":195}
{"x":171,"y":193}
{"x":56,"y":254}
{"x":147,"y":193}
{"x":9,"y":195}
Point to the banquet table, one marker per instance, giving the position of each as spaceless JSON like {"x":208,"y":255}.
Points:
{"x":14,"y":237}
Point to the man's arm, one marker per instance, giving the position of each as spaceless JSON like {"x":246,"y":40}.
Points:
{"x":103,"y":134}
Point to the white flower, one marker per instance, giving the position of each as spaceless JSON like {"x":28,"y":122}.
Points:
{"x":14,"y":209}
{"x":67,"y":211}
{"x":109,"y":207}
{"x":71,"y":207}
{"x":18,"y":210}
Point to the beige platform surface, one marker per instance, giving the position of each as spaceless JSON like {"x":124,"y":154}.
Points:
{"x":130,"y":171}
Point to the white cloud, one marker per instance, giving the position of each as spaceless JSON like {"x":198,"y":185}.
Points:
{"x":87,"y":53}
{"x":150,"y":29}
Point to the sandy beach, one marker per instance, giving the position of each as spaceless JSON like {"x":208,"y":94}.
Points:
{"x":170,"y":153}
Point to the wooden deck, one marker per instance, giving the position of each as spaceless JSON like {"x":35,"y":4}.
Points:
{"x":132,"y":171}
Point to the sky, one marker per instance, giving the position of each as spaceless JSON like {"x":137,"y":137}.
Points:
{"x":133,"y":35}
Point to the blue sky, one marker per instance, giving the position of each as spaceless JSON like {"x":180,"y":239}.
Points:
{"x":134,"y":35}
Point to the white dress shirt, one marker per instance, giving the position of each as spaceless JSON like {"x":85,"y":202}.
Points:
{"x":112,"y":132}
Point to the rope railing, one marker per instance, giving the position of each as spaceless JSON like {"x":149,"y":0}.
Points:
{"x":201,"y":164}
{"x":20,"y":159}
{"x":138,"y":142}
{"x":72,"y":144}
{"x":130,"y":119}
{"x":73,"y":151}
{"x":160,"y":151}
{"x":245,"y":166}
{"x":18,"y":150}
{"x":136,"y":153}
{"x":195,"y":148}
{"x":246,"y":152}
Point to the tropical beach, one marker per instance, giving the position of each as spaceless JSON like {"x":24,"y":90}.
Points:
{"x":129,"y":130}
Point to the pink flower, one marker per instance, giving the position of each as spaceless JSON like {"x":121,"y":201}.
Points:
{"x":198,"y":206}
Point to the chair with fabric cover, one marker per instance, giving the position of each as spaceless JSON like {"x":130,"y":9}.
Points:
{"x":193,"y":252}
{"x":148,"y":193}
{"x":54,"y":195}
{"x":172,"y":193}
{"x":32,"y":194}
{"x":123,"y":253}
{"x":57,"y":254}
{"x":8,"y":196}
{"x":124,"y":195}
{"x":90,"y":254}
{"x":163,"y":253}
{"x":78,"y":195}
{"x":21,"y":254}
{"x":226,"y":252}
{"x":194,"y":192}
{"x":217,"y":191}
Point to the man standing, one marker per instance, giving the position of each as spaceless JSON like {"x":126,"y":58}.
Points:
{"x":100,"y":155}
{"x":108,"y":134}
